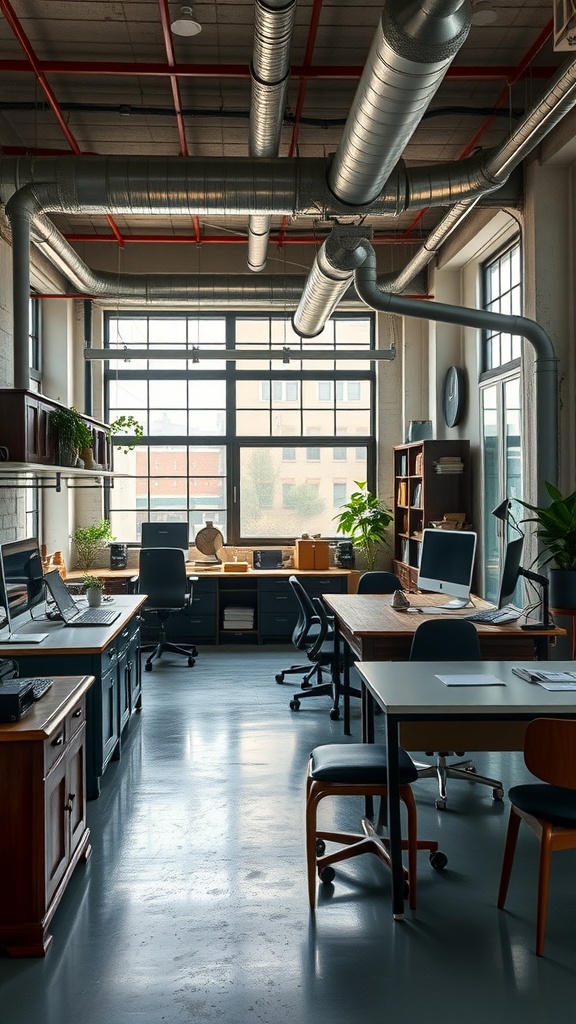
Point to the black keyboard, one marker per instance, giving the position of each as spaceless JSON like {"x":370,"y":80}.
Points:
{"x":39,"y":686}
{"x":495,"y":616}
{"x":96,"y":617}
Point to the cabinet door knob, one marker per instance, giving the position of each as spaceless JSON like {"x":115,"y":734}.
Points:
{"x":77,"y":713}
{"x":58,"y":741}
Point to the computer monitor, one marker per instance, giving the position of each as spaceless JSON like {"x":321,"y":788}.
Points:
{"x":21,"y":584}
{"x":447,"y":564}
{"x":165,"y":535}
{"x":510,"y":571}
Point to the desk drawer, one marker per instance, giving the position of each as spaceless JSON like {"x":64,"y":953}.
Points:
{"x":54,"y":747}
{"x":75,"y":718}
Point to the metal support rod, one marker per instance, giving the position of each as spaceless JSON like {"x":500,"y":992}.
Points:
{"x":242,"y":355}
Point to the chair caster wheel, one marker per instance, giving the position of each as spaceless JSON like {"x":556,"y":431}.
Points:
{"x":320,"y":847}
{"x":440,"y":804}
{"x":498,"y":794}
{"x":191,"y":662}
{"x":148,"y":667}
{"x":327,"y":875}
{"x":438,"y":860}
{"x":280,"y":677}
{"x":334,"y":714}
{"x":295,"y":705}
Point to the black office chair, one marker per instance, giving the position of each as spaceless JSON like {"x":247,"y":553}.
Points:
{"x":162,"y":576}
{"x":304,"y":634}
{"x":377,"y":582}
{"x":449,"y":640}
{"x":318,"y":644}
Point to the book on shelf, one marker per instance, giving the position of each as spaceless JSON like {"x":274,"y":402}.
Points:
{"x":405,"y":550}
{"x":418,"y":463}
{"x":402,"y":493}
{"x":417,"y":496}
{"x":449,"y":464}
{"x":403,"y":466}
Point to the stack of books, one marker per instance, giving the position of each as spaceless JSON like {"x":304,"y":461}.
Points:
{"x":449,"y":464}
{"x":237,"y":617}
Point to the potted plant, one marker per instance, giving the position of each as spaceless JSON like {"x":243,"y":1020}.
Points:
{"x":93,"y":586}
{"x":125,"y":425}
{"x":89,"y":541}
{"x":365,"y":520}
{"x":556,"y":533}
{"x":72,"y":434}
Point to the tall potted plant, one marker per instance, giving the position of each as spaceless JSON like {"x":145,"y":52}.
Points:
{"x":72,"y":434}
{"x":365,"y":520}
{"x":556,"y":533}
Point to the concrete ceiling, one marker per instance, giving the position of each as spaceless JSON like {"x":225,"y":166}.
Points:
{"x":110,"y":78}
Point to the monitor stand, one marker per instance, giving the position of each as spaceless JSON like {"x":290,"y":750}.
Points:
{"x":458,"y":602}
{"x":23,"y":638}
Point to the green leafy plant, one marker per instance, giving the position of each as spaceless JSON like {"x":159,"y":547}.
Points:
{"x":92,"y":582}
{"x":89,"y":541}
{"x":365,"y":520}
{"x":125,"y":425}
{"x":71,"y":430}
{"x":556,"y":528}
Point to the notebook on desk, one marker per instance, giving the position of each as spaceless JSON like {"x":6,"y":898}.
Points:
{"x":68,"y":608}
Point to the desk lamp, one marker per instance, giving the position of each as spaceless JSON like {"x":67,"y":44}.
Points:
{"x":504,"y":514}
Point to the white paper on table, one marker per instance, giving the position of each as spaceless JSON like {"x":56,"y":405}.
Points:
{"x":551,"y":684}
{"x":471,"y":679}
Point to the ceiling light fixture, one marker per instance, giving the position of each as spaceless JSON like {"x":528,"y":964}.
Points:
{"x":184,"y":25}
{"x":483,"y":13}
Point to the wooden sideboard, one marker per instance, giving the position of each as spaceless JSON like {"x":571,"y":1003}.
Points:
{"x":43,"y":813}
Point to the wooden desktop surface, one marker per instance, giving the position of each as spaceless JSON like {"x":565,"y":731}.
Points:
{"x":375,"y":631}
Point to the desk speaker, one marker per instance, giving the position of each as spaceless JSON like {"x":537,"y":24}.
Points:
{"x":118,"y":556}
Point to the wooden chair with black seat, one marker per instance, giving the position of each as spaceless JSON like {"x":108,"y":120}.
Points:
{"x":359,"y":769}
{"x":163,"y":577}
{"x":548,"y":807}
{"x":449,"y":640}
{"x":318,"y":644}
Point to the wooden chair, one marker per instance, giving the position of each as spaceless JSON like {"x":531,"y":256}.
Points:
{"x":549,"y":807}
{"x":359,"y":769}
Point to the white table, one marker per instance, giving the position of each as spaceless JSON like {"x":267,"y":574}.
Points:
{"x":411,"y":692}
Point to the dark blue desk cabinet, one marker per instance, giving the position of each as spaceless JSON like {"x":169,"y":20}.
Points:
{"x":267,"y":593}
{"x":110,"y":654}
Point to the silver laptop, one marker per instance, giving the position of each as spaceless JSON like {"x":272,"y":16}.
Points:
{"x":68,"y":608}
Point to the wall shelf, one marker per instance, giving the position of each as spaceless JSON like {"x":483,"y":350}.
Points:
{"x":52,"y":478}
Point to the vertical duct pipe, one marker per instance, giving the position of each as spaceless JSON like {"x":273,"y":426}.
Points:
{"x":88,"y":389}
{"x":270,"y":71}
{"x":545,"y":366}
{"x":19,"y":215}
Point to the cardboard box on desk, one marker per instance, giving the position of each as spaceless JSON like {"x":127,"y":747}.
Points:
{"x":312,"y":554}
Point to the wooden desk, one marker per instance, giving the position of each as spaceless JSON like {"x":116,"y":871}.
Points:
{"x":109,"y":653}
{"x":412,"y":693}
{"x":372,"y":631}
{"x":43,"y":813}
{"x":118,"y":581}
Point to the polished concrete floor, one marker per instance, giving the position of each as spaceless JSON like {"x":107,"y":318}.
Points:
{"x":193,"y":906}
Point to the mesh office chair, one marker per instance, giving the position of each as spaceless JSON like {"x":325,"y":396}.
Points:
{"x":162,"y":576}
{"x":449,"y":640}
{"x":304,"y":634}
{"x":378,"y":582}
{"x":318,"y":643}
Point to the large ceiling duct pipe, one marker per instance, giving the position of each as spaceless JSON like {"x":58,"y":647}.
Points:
{"x":331,"y":276}
{"x":558,"y":99}
{"x":270,"y":71}
{"x":413,"y":47}
{"x":545,"y":364}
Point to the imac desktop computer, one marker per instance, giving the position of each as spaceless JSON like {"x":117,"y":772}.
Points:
{"x":447,"y":564}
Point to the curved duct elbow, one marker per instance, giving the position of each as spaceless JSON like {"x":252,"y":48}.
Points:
{"x":330,"y":277}
{"x":410,"y":54}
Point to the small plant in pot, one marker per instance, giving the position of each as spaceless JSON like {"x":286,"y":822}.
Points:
{"x":89,"y":541}
{"x":365,"y":520}
{"x":93,"y":586}
{"x":72,"y":434}
{"x":556,"y":534}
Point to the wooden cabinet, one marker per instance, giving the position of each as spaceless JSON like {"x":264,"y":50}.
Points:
{"x":43,"y":811}
{"x":25,"y":430}
{"x":423,"y":493}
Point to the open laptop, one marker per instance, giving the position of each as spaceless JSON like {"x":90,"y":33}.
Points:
{"x":68,"y":608}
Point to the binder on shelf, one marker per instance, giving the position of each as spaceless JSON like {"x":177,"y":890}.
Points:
{"x":402,"y":492}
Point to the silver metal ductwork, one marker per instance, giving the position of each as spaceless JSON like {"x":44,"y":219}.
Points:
{"x":270,"y":71}
{"x":496,"y":166}
{"x":545,"y":363}
{"x":411,"y":52}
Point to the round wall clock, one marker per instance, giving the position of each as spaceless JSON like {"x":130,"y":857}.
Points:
{"x":454,"y":395}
